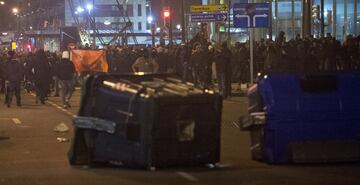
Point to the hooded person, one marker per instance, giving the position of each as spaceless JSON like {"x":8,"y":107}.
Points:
{"x":13,"y":77}
{"x":65,"y":72}
{"x":41,"y":70}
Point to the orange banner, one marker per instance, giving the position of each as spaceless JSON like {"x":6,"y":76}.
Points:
{"x":89,"y":60}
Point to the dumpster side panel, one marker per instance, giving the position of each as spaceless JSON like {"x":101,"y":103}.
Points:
{"x":161,"y":122}
{"x":187,"y":132}
{"x":303,"y":117}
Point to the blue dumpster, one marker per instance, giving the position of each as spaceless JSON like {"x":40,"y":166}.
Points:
{"x":305,"y":118}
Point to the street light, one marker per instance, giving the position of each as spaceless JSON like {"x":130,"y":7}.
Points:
{"x":2,"y":2}
{"x":107,"y":22}
{"x":89,"y":7}
{"x":15,"y":11}
{"x":150,"y":19}
{"x":79,"y":9}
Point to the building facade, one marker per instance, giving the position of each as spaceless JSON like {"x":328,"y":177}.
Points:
{"x":110,"y":19}
{"x":316,"y":18}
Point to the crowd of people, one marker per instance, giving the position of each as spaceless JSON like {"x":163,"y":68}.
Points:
{"x":41,"y":72}
{"x":53,"y":74}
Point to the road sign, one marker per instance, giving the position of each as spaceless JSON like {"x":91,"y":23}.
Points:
{"x":209,"y":8}
{"x":214,"y":17}
{"x":251,"y":15}
{"x":13,"y":45}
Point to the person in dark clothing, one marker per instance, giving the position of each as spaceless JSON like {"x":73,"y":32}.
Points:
{"x":2,"y":80}
{"x":65,"y":71}
{"x":13,"y":77}
{"x":222,"y":60}
{"x":41,"y":70}
{"x":198,"y":61}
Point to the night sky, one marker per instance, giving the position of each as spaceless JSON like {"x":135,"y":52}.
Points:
{"x":7,"y":20}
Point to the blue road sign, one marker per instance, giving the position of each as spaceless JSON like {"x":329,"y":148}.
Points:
{"x":214,"y":17}
{"x":251,"y":15}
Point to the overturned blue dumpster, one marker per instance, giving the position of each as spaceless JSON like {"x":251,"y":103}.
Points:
{"x":304,"y":118}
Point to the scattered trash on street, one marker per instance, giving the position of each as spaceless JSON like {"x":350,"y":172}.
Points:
{"x":62,"y":139}
{"x":62,"y":127}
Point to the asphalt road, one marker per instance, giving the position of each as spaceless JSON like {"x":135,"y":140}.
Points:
{"x":30,"y":154}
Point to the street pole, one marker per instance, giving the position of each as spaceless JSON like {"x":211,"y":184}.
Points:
{"x":334,"y":18}
{"x":270,"y":20}
{"x":293,"y":18}
{"x":171,"y":25}
{"x":153,"y":33}
{"x":345,"y":30}
{"x":229,"y":22}
{"x":306,"y":18}
{"x":183,"y":29}
{"x":94,"y":25}
{"x":322,"y":18}
{"x":251,"y":37}
{"x":355,"y":17}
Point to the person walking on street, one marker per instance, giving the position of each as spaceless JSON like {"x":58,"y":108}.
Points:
{"x":41,"y":70}
{"x":13,"y":79}
{"x":65,"y":72}
{"x":222,"y":60}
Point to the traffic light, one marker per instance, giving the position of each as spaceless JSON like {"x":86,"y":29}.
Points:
{"x":29,"y":47}
{"x":315,"y":11}
{"x":166,"y":14}
{"x":167,"y":26}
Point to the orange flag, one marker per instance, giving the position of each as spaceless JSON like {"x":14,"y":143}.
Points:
{"x":89,"y":60}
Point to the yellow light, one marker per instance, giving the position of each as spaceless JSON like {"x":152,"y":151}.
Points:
{"x":15,"y":11}
{"x":13,"y":45}
{"x":140,"y":73}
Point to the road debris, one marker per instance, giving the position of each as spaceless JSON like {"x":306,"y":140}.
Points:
{"x":63,"y":140}
{"x":62,"y":127}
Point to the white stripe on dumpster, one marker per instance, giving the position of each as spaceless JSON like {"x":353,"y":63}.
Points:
{"x":235,"y":124}
{"x":16,"y":121}
{"x":187,"y":176}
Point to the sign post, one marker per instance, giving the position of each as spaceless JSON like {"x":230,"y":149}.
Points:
{"x":251,"y":38}
{"x":209,"y":8}
{"x":214,"y":17}
{"x":251,"y":15}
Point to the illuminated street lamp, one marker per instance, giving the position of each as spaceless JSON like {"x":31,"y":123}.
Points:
{"x":107,"y":22}
{"x":150,"y":19}
{"x":89,"y":7}
{"x":79,"y":9}
{"x":15,"y":11}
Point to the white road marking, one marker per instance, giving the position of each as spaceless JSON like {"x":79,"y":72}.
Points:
{"x":224,"y":165}
{"x":58,"y":107}
{"x":187,"y":176}
{"x":25,"y":126}
{"x":16,"y":121}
